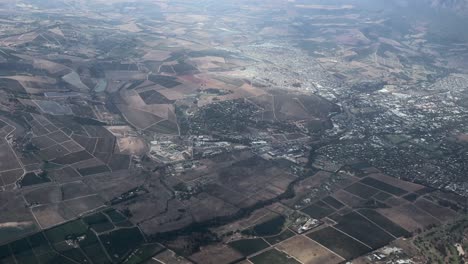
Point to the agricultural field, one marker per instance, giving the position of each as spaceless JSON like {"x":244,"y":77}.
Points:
{"x":273,"y":255}
{"x":241,"y":132}
{"x":347,"y":230}
{"x":82,"y":240}
{"x":308,"y":251}
{"x":340,"y":243}
{"x":249,"y":246}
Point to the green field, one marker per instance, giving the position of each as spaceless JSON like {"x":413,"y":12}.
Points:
{"x":249,"y":246}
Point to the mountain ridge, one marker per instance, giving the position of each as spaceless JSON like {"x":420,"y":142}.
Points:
{"x":459,"y":6}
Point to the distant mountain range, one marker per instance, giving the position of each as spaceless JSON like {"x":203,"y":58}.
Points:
{"x":459,"y":6}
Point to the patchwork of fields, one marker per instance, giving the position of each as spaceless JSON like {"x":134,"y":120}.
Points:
{"x":240,"y":132}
